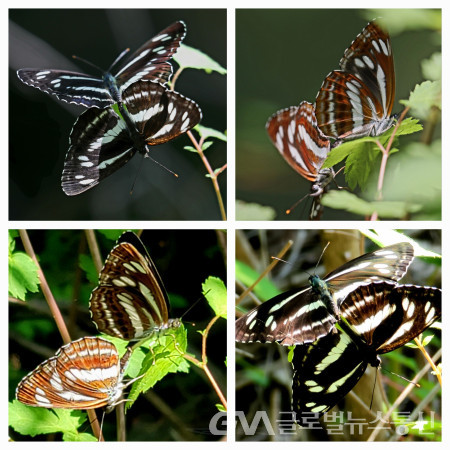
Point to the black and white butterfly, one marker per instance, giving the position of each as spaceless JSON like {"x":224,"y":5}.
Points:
{"x":375,"y":319}
{"x":304,"y":315}
{"x":102,"y":141}
{"x":130,"y":301}
{"x":149,"y":62}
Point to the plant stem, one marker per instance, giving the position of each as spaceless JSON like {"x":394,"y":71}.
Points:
{"x":211,"y":174}
{"x":56,"y":313}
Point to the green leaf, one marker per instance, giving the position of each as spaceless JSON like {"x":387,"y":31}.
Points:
{"x":215,"y":292}
{"x":206,"y":133}
{"x":28,"y":420}
{"x":350,"y":202}
{"x":423,"y":98}
{"x":264,"y":290}
{"x":220,"y":407}
{"x":87,"y":264}
{"x":156,"y":358}
{"x":22,"y":273}
{"x":389,"y":237}
{"x":362,"y":153}
{"x":432,"y":67}
{"x":253,"y":211}
{"x":195,"y":59}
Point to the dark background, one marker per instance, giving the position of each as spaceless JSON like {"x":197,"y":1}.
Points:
{"x":184,"y":259}
{"x":282,"y":57}
{"x":40,"y":124}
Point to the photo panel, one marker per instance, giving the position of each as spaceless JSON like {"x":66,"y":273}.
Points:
{"x":341,"y":339}
{"x":331,"y":121}
{"x":147,"y":335}
{"x":76,"y":124}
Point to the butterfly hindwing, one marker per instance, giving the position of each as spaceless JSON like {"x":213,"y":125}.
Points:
{"x":99,"y":145}
{"x":376,"y":318}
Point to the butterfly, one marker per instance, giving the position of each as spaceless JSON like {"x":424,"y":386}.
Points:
{"x":149,"y":62}
{"x":295,"y":134}
{"x":357,"y":100}
{"x":301,"y":316}
{"x":130,"y":301}
{"x":102,"y":141}
{"x":84,"y":374}
{"x":376,"y":318}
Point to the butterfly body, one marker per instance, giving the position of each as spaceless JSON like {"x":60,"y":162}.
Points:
{"x":84,"y":374}
{"x":149,"y":62}
{"x":101,"y":141}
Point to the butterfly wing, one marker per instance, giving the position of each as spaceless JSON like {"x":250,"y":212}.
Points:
{"x":84,"y":374}
{"x":385,"y":264}
{"x":130,"y":301}
{"x":370,"y":58}
{"x":70,"y":87}
{"x":324,"y":372}
{"x":100,"y":144}
{"x":292,"y":318}
{"x":294,"y":133}
{"x":357,"y":100}
{"x":387,"y":316}
{"x":159,"y":114}
{"x":151,"y":60}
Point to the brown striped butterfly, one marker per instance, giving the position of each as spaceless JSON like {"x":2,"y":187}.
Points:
{"x":84,"y":374}
{"x":130,"y":301}
{"x":357,"y":100}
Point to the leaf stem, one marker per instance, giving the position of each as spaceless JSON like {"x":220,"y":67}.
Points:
{"x":211,"y":174}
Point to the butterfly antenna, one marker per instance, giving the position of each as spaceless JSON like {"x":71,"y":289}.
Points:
{"x":373,"y":389}
{"x":160,"y":165}
{"x":119,"y":58}
{"x":194,"y":304}
{"x":402,"y":377}
{"x":288,"y":211}
{"x":321,"y":256}
{"x":85,"y":61}
{"x":140,"y":167}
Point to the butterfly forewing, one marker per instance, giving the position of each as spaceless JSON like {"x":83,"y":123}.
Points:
{"x":149,"y":62}
{"x":389,"y":263}
{"x":357,"y":100}
{"x":99,"y":145}
{"x":70,"y":87}
{"x":130,"y":301}
{"x":301,"y":316}
{"x":84,"y":374}
{"x":290,"y":318}
{"x":376,"y":318}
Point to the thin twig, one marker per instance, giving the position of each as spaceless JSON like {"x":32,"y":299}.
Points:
{"x":56,"y":313}
{"x":274,"y":262}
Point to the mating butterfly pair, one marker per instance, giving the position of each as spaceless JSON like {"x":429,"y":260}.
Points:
{"x":131,"y":303}
{"x":353,"y":102}
{"x":340,"y":324}
{"x":102,"y":141}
